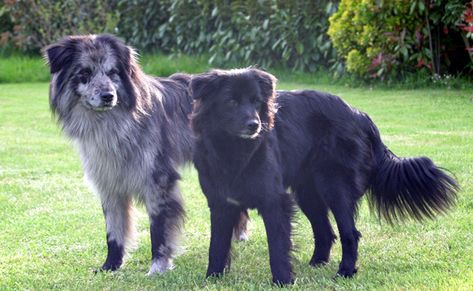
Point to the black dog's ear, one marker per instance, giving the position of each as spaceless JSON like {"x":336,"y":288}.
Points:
{"x":198,"y":83}
{"x":266,"y":81}
{"x":206,"y":83}
{"x":59,"y":54}
{"x":267,"y":84}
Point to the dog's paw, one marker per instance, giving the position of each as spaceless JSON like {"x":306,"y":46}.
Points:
{"x":106,"y":267}
{"x":317,"y":263}
{"x":160,"y":266}
{"x":281,"y":282}
{"x":242,"y":236}
{"x":109,"y":266}
{"x":214,"y":274}
{"x":346,"y":273}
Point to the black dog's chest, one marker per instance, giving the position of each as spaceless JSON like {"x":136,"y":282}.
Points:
{"x":239,"y":180}
{"x":247,"y":192}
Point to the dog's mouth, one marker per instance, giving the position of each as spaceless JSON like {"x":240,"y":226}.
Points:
{"x":247,"y":134}
{"x":101,"y":108}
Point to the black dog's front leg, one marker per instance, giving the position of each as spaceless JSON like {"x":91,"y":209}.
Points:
{"x":277,"y":221}
{"x":222,"y":220}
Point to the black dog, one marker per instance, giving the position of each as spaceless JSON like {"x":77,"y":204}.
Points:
{"x":327,"y":152}
{"x":240,"y":168}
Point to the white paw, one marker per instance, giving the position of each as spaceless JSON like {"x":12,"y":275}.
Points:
{"x":160,"y":266}
{"x":243,"y":236}
{"x":240,"y":236}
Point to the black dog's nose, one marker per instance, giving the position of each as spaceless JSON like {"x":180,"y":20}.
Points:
{"x":106,"y":97}
{"x":252,"y":125}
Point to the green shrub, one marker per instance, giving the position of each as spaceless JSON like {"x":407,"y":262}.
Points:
{"x":375,"y":38}
{"x":6,"y":25}
{"x":140,"y":22}
{"x":39,"y":23}
{"x":390,"y":39}
{"x":263,"y":32}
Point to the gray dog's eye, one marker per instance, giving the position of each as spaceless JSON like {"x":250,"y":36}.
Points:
{"x":84,"y":75}
{"x":112,"y":72}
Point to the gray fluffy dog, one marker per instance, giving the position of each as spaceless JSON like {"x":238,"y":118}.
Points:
{"x":132,"y":132}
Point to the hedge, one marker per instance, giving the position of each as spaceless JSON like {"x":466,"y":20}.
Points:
{"x":369,"y":38}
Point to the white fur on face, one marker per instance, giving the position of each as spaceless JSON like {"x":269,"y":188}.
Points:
{"x":90,"y":92}
{"x":100,"y":80}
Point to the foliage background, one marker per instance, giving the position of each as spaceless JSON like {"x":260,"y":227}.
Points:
{"x":368,"y":39}
{"x":387,"y":39}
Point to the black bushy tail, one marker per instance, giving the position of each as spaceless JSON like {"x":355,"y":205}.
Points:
{"x":408,"y":187}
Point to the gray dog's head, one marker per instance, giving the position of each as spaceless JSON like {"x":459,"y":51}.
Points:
{"x":95,"y":71}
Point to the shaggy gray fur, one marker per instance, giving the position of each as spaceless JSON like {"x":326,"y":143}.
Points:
{"x":131,"y":131}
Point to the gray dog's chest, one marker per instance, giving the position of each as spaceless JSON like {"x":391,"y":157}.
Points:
{"x":116,"y":167}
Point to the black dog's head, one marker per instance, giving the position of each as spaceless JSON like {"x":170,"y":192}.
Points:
{"x":238,"y":102}
{"x":94,"y":71}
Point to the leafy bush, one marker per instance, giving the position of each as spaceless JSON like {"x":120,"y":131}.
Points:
{"x":39,"y":23}
{"x":388,"y":39}
{"x":264,"y":32}
{"x":460,"y":16}
{"x":372,"y":39}
{"x":140,"y":22}
{"x":376,"y":38}
{"x":6,"y":25}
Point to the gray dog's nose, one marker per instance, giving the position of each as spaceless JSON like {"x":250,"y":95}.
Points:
{"x":106,"y":97}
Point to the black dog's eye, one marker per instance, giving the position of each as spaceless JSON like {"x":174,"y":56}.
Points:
{"x":232,"y":102}
{"x":258,"y":104}
{"x":84,"y":75}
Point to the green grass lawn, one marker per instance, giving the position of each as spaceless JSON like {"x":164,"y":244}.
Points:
{"x":52,"y":231}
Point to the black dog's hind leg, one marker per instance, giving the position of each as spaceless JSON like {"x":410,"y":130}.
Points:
{"x":277,"y":218}
{"x":349,"y":236}
{"x":222,"y":221}
{"x":117,"y":211}
{"x":342,"y":203}
{"x":166,"y":213}
{"x":344,"y":212}
{"x":316,"y":212}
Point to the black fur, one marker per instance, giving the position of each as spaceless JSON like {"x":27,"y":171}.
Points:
{"x":327,"y":152}
{"x":237,"y":173}
{"x":115,"y":255}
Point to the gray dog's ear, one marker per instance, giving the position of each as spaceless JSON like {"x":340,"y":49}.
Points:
{"x":205,"y":84}
{"x":125,"y":54}
{"x":59,"y":54}
{"x":267,"y":82}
